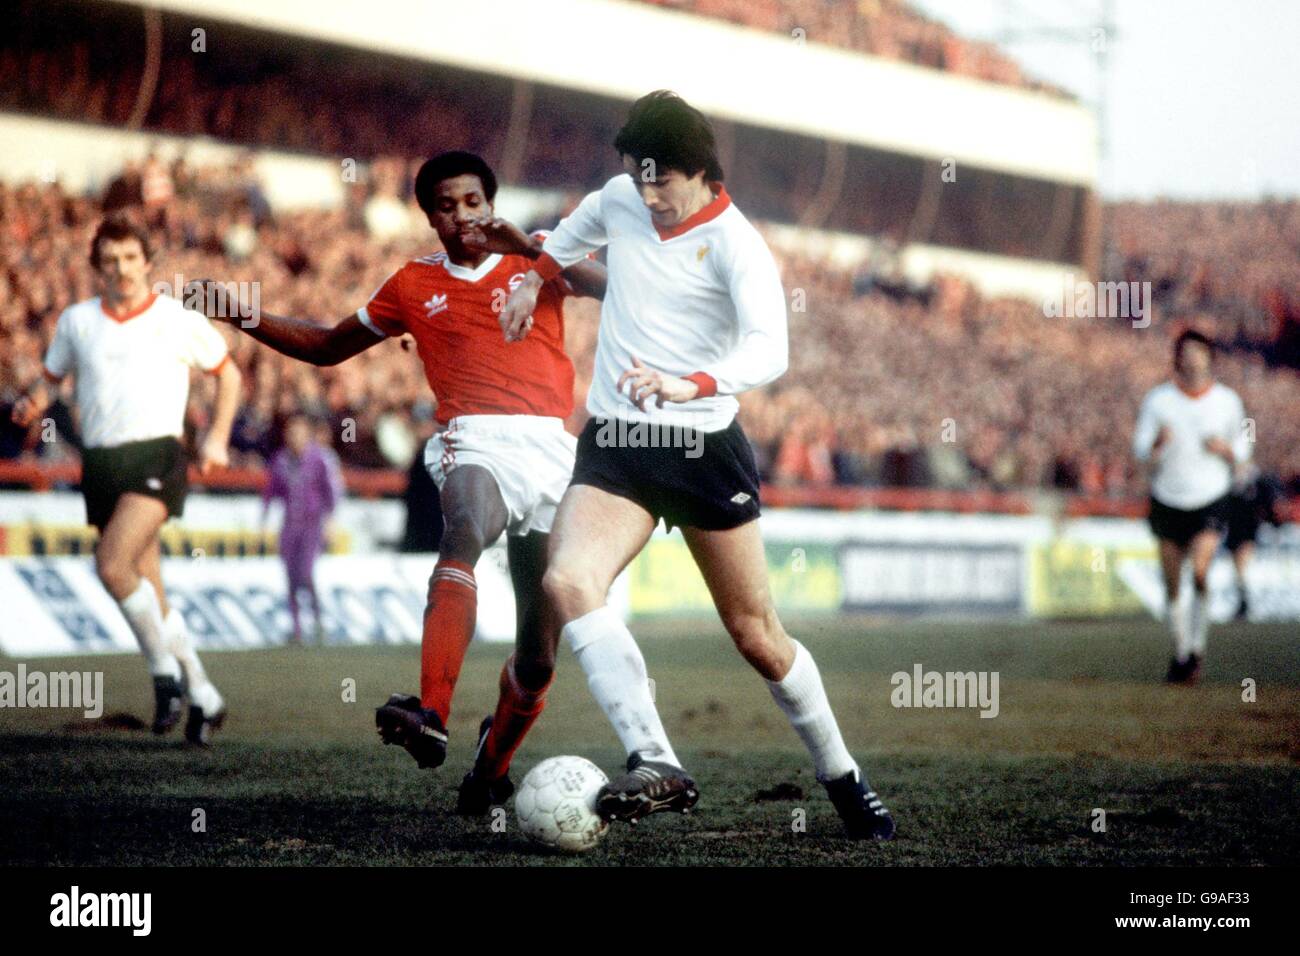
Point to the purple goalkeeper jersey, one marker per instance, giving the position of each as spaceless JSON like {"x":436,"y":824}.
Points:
{"x":309,"y":486}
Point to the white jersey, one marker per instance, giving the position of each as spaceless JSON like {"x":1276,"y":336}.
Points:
{"x":132,"y":373}
{"x":701,"y":300}
{"x":1184,"y":474}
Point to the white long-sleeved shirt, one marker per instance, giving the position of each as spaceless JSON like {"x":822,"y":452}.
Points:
{"x":1185,"y":475}
{"x":702,"y":300}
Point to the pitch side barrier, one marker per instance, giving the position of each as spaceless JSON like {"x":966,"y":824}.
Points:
{"x":380,"y":483}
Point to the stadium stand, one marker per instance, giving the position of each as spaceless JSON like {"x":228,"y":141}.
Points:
{"x":884,"y":28}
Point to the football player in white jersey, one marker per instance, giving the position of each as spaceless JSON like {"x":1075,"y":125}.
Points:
{"x":1192,"y":432}
{"x":694,"y":313}
{"x":131,"y":350}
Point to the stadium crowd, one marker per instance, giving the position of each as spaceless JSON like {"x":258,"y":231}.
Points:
{"x":931,"y":387}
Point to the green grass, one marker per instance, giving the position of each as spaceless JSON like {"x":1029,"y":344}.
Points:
{"x":1187,"y":776}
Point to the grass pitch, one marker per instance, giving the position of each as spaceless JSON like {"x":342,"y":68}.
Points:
{"x":1186,"y":776}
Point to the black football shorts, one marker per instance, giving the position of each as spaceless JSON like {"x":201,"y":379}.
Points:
{"x":155,"y":467}
{"x":1180,"y":527}
{"x":689,"y":478}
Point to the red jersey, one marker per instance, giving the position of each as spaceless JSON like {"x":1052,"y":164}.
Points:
{"x":452,"y":313}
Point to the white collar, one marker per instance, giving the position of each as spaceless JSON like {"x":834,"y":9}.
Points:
{"x":472,"y":275}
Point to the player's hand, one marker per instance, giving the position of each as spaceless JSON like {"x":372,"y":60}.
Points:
{"x":25,"y":411}
{"x":494,"y":234}
{"x":218,"y":302}
{"x":213,"y":455}
{"x":516,"y":317}
{"x":645,"y":383}
{"x":1217,"y":446}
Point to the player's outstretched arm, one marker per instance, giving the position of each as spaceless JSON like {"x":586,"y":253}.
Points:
{"x":494,"y":234}
{"x":297,"y":338}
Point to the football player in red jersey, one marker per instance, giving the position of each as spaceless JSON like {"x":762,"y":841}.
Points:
{"x":501,"y":462}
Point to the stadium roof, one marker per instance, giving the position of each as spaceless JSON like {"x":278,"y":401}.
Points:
{"x":623,"y":50}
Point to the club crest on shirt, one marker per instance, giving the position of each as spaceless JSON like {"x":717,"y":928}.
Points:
{"x":701,"y":253}
{"x":436,"y":304}
{"x":515,"y":280}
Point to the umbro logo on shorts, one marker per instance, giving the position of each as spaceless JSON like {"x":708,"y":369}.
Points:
{"x":739,"y":498}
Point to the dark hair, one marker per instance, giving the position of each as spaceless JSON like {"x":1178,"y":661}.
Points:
{"x":663,"y":127}
{"x":1191,"y":335}
{"x":448,"y":166}
{"x":116,"y":227}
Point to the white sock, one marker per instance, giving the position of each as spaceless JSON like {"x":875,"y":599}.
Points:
{"x":802,"y":697}
{"x":143,"y":613}
{"x":1200,"y":625}
{"x":616,"y":675}
{"x":1176,"y":619}
{"x":202,"y":692}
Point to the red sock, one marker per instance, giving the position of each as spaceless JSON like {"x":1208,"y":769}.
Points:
{"x":448,"y":628}
{"x":517,"y":710}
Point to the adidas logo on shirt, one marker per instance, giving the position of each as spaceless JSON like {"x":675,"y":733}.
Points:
{"x":436,"y":304}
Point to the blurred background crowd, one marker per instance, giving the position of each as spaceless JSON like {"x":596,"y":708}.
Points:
{"x":891,"y":384}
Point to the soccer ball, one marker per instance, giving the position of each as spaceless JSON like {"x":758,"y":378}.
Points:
{"x":556,"y":804}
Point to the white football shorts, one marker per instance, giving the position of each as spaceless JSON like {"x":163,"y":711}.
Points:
{"x":531,"y":458}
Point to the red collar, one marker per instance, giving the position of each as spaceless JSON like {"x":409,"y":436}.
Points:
{"x":712,"y":211}
{"x":1196,"y":394}
{"x":125,"y":316}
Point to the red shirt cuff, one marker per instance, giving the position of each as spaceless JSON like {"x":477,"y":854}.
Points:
{"x":707,"y":384}
{"x":220,"y":365}
{"x":546,"y":267}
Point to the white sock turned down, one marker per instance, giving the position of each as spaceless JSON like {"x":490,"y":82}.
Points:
{"x":202,"y":692}
{"x":616,"y":675}
{"x":802,"y":697}
{"x":144,"y":615}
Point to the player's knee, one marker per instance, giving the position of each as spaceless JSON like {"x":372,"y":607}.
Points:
{"x":115,"y":574}
{"x":572,"y":592}
{"x":462,"y":539}
{"x":758,"y":636}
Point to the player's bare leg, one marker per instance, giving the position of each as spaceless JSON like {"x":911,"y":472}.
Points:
{"x":734,"y":567}
{"x":1172,"y":556}
{"x":207,"y":708}
{"x":130,"y":533}
{"x":594,"y":537}
{"x":474,"y":515}
{"x":1241,"y":559}
{"x":1202,"y":549}
{"x":525,"y":679}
